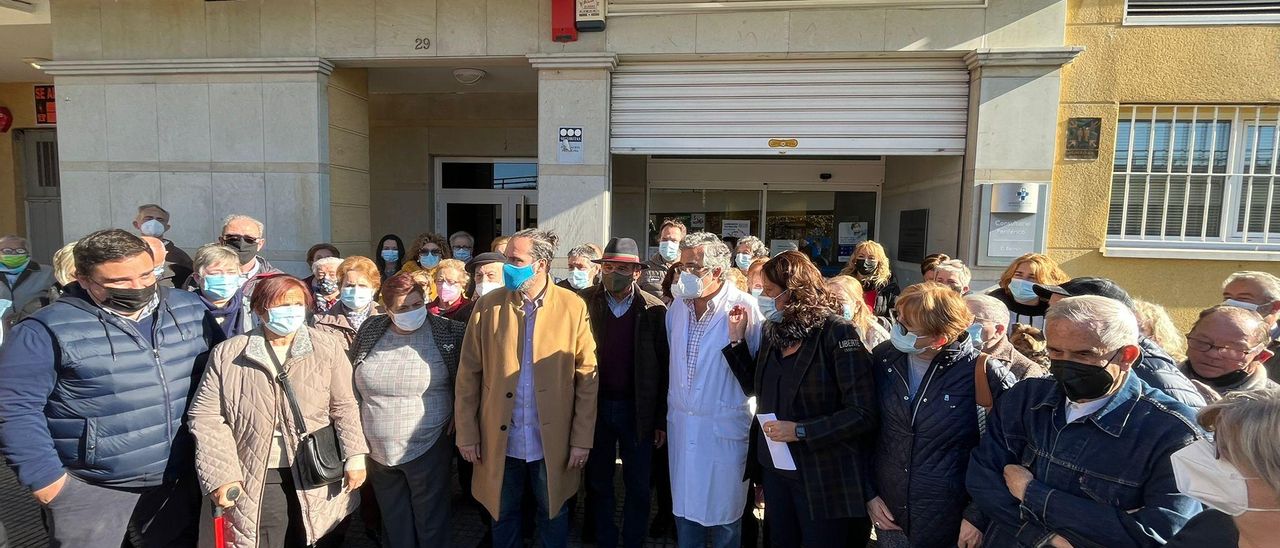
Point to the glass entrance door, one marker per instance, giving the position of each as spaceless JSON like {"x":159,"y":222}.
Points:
{"x":486,"y":197}
{"x":823,"y":223}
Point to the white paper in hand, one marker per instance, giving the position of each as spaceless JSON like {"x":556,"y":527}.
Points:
{"x":778,"y":450}
{"x":5,"y":305}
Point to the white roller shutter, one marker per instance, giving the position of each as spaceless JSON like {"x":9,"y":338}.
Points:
{"x":828,"y":107}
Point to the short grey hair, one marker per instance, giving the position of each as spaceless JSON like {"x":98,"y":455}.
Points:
{"x":211,"y":254}
{"x":24,"y":241}
{"x":987,"y":308}
{"x":1244,"y":425}
{"x":757,"y":247}
{"x":715,"y":254}
{"x":156,"y":207}
{"x":545,"y":243}
{"x":590,"y":252}
{"x":323,"y":262}
{"x":957,"y":267}
{"x":262,"y":229}
{"x":471,"y":240}
{"x":1112,"y":321}
{"x":1269,"y":283}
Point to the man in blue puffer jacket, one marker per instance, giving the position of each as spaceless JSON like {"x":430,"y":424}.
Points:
{"x":1154,"y":366}
{"x":93,"y":391}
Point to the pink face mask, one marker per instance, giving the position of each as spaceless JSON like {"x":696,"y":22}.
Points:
{"x":448,"y":291}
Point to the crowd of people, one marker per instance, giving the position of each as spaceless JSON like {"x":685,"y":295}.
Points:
{"x":140,"y":387}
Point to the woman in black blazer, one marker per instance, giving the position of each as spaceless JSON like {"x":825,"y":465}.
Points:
{"x":814,"y":374}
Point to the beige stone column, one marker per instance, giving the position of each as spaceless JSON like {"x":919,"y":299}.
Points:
{"x":205,"y":138}
{"x":573,"y":198}
{"x":1013,"y":128}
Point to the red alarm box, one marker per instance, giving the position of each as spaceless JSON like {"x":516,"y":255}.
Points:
{"x":564,"y":14}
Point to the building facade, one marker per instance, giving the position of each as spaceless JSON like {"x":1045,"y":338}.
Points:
{"x":1181,"y":191}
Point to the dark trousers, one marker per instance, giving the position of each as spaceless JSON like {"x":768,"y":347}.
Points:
{"x":787,"y":513}
{"x":553,"y":528}
{"x":280,"y":524}
{"x":616,"y":432}
{"x":90,"y":515}
{"x":415,"y":498}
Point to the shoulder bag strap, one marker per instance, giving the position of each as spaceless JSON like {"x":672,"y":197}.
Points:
{"x":981,"y":387}
{"x":299,"y":423}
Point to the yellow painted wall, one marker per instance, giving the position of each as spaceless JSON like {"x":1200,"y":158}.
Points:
{"x":20,"y":99}
{"x":1147,"y":64}
{"x":348,"y":96}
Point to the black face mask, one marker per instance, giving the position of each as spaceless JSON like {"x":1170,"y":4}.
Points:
{"x":245,"y":250}
{"x":865,"y":266}
{"x":616,"y":282}
{"x":129,"y":301}
{"x":1230,"y":379}
{"x":1082,"y":381}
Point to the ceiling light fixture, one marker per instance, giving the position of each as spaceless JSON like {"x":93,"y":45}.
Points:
{"x":468,"y":76}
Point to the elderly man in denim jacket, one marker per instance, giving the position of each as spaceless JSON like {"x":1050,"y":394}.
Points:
{"x":1083,"y":459}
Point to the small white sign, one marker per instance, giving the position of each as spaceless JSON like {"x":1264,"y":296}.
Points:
{"x":778,"y":246}
{"x":853,"y":233}
{"x":1015,"y":197}
{"x":569,"y":150}
{"x":735,"y":228}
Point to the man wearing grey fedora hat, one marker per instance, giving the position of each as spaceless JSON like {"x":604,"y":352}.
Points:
{"x":631,"y":349}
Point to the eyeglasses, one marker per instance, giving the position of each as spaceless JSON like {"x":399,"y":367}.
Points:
{"x":458,"y":247}
{"x":1201,"y":345}
{"x":700,"y":271}
{"x":13,"y":251}
{"x":426,"y":252}
{"x":230,"y":238}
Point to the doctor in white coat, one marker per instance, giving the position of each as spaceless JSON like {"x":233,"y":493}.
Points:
{"x":708,"y":417}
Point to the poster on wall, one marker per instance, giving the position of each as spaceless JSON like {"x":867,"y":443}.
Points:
{"x":698,"y":221}
{"x":735,"y":228}
{"x":46,"y":105}
{"x":853,"y":233}
{"x":569,"y":150}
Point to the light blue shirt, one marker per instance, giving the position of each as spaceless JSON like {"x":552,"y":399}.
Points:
{"x":620,"y":308}
{"x":524,"y":441}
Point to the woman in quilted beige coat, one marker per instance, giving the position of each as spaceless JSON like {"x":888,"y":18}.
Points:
{"x":244,"y":428}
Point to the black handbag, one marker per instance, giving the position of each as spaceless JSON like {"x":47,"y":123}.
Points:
{"x":319,"y":459}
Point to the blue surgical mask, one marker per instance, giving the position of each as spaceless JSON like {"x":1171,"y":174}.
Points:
{"x":283,"y":320}
{"x":579,"y":279}
{"x":428,"y":260}
{"x":390,"y":255}
{"x":356,"y":297}
{"x":743,"y":260}
{"x":669,"y":250}
{"x":769,"y":308}
{"x":514,"y":276}
{"x":1023,"y":290}
{"x":220,"y":287}
{"x":757,"y":291}
{"x":689,"y":286}
{"x":904,"y":340}
{"x":847,"y":311}
{"x":462,"y":254}
{"x":975,"y":336}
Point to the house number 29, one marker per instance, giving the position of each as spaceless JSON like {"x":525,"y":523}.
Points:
{"x":421,"y":43}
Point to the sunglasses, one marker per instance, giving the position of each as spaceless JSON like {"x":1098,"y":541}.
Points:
{"x":229,"y":238}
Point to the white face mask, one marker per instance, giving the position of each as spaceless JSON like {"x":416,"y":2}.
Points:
{"x":411,"y":320}
{"x":1241,"y":304}
{"x":483,"y":288}
{"x":356,"y":297}
{"x":1201,"y":475}
{"x":152,"y":228}
{"x":688,"y":287}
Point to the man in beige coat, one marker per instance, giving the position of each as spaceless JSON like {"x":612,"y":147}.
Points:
{"x":525,"y":404}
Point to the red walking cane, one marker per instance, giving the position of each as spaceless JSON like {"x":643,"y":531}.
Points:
{"x":220,"y":522}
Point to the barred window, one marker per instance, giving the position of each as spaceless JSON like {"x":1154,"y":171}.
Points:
{"x":1196,"y":177}
{"x":1201,"y":12}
